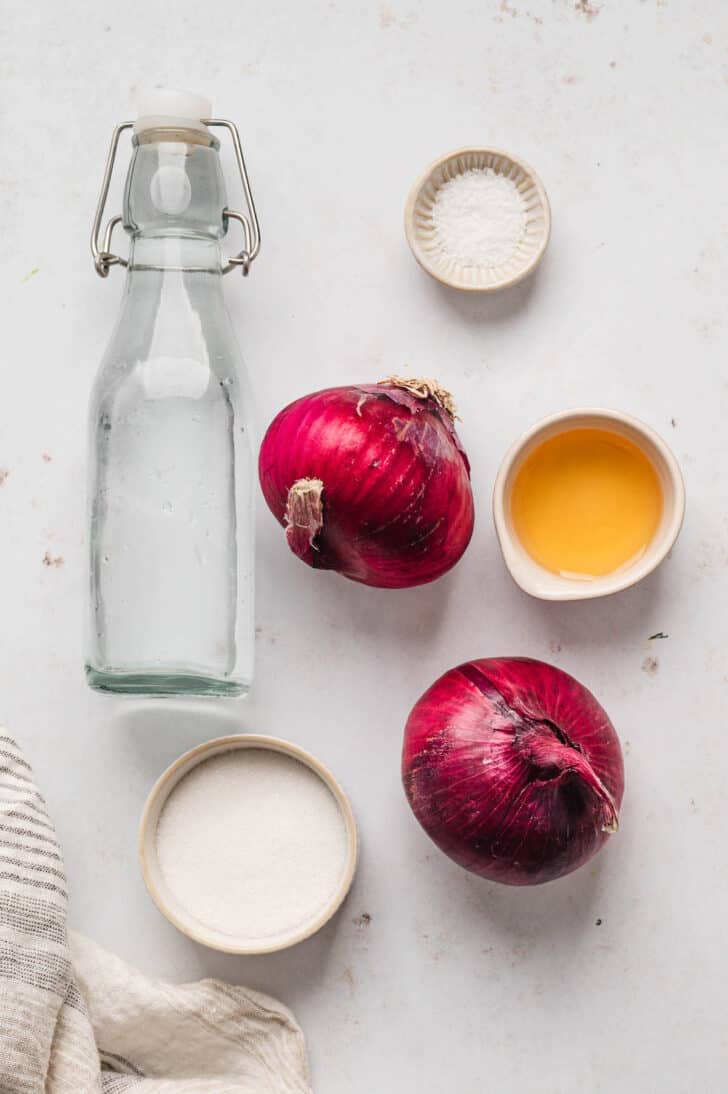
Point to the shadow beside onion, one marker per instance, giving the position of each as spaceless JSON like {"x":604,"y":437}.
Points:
{"x":534,"y":921}
{"x":398,"y":616}
{"x":395,"y":619}
{"x":547,"y":912}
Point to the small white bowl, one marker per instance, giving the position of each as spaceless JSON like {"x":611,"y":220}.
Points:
{"x":422,"y":236}
{"x":535,"y":579}
{"x":167,"y":903}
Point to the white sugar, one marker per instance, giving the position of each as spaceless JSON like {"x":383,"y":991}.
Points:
{"x":479,"y":218}
{"x":252,"y":843}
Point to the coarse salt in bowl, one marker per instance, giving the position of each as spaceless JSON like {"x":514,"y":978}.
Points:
{"x":478,"y":220}
{"x":247,"y":844}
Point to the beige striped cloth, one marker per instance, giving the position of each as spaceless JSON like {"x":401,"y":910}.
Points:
{"x":75,"y":1020}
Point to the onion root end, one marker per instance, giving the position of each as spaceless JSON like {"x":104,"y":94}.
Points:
{"x":304,"y":516}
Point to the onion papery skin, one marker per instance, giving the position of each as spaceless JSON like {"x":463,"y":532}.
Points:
{"x":370,"y":481}
{"x":513,"y":769}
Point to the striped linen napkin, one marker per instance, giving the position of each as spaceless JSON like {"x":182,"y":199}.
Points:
{"x":75,"y":1019}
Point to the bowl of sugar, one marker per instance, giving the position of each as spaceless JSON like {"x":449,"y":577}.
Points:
{"x":247,"y":844}
{"x":478,"y":220}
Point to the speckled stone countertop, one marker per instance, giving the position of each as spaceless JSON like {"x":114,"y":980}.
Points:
{"x":429,"y":980}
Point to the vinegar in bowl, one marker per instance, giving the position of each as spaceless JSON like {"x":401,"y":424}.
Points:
{"x":586,"y":502}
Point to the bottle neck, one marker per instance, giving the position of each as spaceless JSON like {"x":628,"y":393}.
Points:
{"x":188,"y":254}
{"x":174,"y":201}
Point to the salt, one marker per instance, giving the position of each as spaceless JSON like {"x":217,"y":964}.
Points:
{"x":479,"y":218}
{"x":252,"y":843}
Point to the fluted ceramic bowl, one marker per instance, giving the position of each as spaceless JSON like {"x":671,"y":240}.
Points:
{"x":425,"y":241}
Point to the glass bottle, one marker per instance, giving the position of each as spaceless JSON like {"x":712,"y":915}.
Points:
{"x":171,"y":461}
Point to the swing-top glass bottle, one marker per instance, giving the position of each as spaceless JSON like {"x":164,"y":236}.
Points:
{"x":171,"y":462}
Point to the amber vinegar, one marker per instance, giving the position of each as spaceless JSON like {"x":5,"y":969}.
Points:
{"x":586,"y":503}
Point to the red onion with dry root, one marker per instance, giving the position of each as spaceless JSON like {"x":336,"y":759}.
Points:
{"x":371,"y":481}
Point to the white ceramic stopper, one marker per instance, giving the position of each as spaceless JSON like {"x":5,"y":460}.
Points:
{"x":166,"y":106}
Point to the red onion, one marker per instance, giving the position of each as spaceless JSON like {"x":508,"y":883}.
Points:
{"x":371,"y":481}
{"x":513,"y":769}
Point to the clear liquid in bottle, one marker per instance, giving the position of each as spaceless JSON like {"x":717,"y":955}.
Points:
{"x":172,"y":466}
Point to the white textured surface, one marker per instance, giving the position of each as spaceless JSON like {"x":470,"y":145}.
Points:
{"x":454,"y":984}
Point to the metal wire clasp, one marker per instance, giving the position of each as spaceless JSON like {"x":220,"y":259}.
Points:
{"x":251,"y":227}
{"x":103,"y":256}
